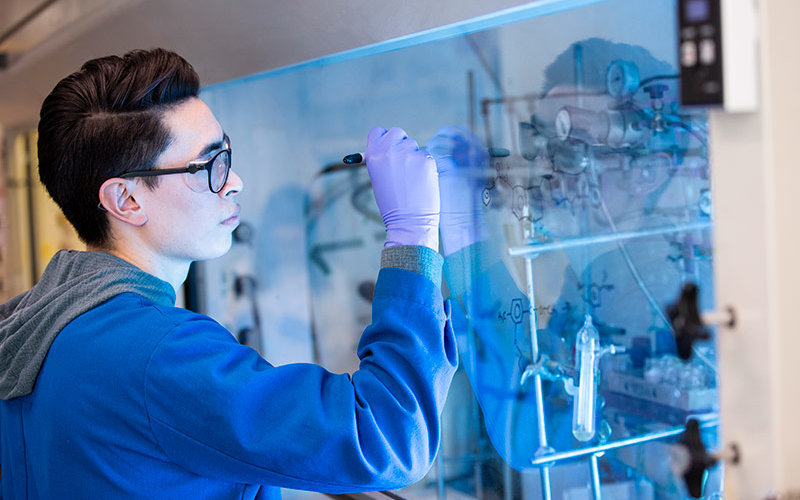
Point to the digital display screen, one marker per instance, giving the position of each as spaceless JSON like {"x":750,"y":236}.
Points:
{"x":696,"y":10}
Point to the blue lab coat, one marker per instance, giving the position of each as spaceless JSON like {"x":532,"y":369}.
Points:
{"x":142,"y":400}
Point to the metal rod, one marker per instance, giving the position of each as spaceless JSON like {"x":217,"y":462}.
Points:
{"x":579,"y":73}
{"x":508,"y":489}
{"x":471,"y":100}
{"x":598,"y":494}
{"x":534,"y":249}
{"x":476,"y":429}
{"x":545,"y":473}
{"x":537,"y":379}
{"x":546,"y":460}
{"x":25,"y":20}
{"x":440,"y":486}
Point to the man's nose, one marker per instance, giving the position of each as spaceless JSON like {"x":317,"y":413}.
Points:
{"x":233,"y":185}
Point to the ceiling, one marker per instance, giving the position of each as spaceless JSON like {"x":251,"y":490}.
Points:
{"x":223,"y":40}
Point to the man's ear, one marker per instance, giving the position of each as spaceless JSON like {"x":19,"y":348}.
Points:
{"x":116,"y":197}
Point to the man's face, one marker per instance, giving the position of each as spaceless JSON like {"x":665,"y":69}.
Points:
{"x":184,"y":223}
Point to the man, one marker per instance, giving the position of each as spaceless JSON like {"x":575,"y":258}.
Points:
{"x":109,"y":391}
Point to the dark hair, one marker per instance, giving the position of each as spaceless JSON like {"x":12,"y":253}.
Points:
{"x":104,"y":120}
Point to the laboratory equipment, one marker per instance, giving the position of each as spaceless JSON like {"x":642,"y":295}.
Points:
{"x":587,"y":354}
{"x":586,"y":348}
{"x":595,"y":200}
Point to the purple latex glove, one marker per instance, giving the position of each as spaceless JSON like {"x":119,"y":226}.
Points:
{"x":463,"y":165}
{"x":406,"y":188}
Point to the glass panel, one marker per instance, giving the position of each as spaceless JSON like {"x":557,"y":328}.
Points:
{"x":581,"y":207}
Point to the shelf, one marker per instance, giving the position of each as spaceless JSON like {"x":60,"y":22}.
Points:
{"x":534,"y":249}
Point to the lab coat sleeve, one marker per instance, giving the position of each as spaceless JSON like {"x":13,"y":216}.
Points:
{"x":220,"y":410}
{"x":421,"y":260}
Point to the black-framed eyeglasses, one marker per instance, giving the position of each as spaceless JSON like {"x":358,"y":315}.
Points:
{"x":218,"y":168}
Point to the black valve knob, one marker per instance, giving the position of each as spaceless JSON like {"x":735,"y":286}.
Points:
{"x":244,"y":285}
{"x":656,"y":90}
{"x":686,"y":323}
{"x":245,"y":335}
{"x":692,"y":460}
{"x":243,"y":233}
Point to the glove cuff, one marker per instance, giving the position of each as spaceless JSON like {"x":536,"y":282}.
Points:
{"x":419,"y":259}
{"x":464,"y":266}
{"x":460,"y":231}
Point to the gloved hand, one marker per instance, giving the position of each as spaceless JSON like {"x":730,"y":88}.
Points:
{"x":463,"y":165}
{"x":404,"y":181}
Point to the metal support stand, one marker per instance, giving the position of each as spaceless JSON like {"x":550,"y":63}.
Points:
{"x":598,"y":495}
{"x":440,"y":486}
{"x":537,"y":379}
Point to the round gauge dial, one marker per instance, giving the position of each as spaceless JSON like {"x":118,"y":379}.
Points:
{"x":622,"y":78}
{"x":563,"y":124}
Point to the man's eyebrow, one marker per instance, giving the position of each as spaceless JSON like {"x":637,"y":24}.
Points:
{"x":214,"y":146}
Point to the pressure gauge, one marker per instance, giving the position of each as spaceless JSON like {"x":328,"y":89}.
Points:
{"x":622,"y":78}
{"x":563,"y":124}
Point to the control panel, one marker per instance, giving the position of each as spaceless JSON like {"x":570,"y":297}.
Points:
{"x":700,"y":52}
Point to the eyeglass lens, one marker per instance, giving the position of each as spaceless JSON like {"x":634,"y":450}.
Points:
{"x":218,"y":174}
{"x":213,"y":175}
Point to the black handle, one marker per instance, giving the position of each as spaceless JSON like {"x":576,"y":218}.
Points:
{"x":699,"y":458}
{"x":686,"y":323}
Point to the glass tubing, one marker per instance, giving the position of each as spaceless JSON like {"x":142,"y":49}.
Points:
{"x":546,"y":457}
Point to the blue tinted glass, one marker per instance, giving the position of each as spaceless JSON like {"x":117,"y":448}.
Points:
{"x":578,"y":204}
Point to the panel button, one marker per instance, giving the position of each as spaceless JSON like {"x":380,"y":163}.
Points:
{"x":688,"y":54}
{"x":708,"y":52}
{"x":707,"y":30}
{"x":711,"y":87}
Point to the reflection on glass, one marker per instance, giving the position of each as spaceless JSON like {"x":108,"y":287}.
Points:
{"x":575,"y":203}
{"x":592,"y":229}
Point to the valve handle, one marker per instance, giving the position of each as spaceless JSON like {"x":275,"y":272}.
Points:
{"x":656,"y":90}
{"x":686,"y":323}
{"x":691,"y":460}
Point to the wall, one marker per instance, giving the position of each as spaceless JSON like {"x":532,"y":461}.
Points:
{"x":222,"y":40}
{"x":757,"y":243}
{"x":3,"y":220}
{"x":29,"y":244}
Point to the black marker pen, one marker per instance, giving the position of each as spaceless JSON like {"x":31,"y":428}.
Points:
{"x":354,"y":159}
{"x":358,"y":158}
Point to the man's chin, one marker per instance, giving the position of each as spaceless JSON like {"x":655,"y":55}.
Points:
{"x":216,"y":251}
